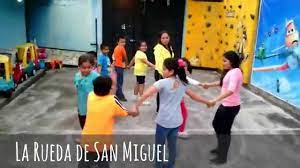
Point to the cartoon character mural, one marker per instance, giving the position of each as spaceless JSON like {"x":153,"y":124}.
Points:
{"x":276,"y":66}
{"x":292,"y":34}
{"x":292,"y":50}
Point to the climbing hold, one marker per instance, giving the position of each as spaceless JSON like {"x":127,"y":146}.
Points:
{"x":187,"y":48}
{"x":240,"y":6}
{"x":252,"y":16}
{"x":190,"y":16}
{"x":206,"y":41}
{"x":208,"y":24}
{"x":209,"y":8}
{"x":231,"y":26}
{"x":220,"y":16}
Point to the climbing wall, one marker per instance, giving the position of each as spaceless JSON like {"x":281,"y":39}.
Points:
{"x":239,"y":30}
{"x":215,"y":27}
{"x":203,"y":33}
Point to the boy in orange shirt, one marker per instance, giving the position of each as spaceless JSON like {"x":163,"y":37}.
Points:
{"x":102,"y":110}
{"x":120,"y":61}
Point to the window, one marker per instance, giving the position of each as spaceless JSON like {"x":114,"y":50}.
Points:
{"x":2,"y":70}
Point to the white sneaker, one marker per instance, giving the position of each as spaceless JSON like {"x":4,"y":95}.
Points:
{"x":183,"y":135}
{"x":146,"y":103}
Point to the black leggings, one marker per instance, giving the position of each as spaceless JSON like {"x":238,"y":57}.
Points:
{"x":157,"y":77}
{"x":224,"y":118}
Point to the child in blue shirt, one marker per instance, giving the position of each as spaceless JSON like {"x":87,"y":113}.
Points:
{"x":83,"y":82}
{"x":103,"y":61}
{"x":93,"y":54}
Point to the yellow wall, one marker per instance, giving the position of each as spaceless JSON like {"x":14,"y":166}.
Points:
{"x":203,"y":33}
{"x":210,"y":31}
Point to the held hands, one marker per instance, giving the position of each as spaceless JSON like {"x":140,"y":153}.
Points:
{"x":153,"y":67}
{"x":204,"y":85}
{"x":135,"y":111}
{"x":211,"y":103}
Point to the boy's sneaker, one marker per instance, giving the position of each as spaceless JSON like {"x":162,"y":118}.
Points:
{"x":123,"y":99}
{"x":146,"y":103}
{"x":183,"y":135}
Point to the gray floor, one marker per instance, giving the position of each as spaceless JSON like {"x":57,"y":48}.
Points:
{"x":50,"y":105}
{"x":265,"y":135}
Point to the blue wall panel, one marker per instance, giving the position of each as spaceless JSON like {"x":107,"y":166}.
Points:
{"x":12,"y":24}
{"x":61,"y":24}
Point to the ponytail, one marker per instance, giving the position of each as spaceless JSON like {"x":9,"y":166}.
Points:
{"x":177,"y":65}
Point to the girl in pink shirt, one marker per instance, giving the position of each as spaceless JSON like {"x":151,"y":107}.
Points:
{"x":231,"y":83}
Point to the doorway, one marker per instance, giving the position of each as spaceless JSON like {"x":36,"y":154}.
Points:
{"x":143,"y":20}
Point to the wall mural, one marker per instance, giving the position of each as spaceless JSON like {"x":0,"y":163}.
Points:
{"x":277,"y":59}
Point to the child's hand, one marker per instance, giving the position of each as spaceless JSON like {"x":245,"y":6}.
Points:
{"x":211,"y":103}
{"x":77,"y":141}
{"x":204,"y":85}
{"x":135,"y":111}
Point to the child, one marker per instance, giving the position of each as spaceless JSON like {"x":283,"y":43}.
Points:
{"x":93,"y":54}
{"x":231,"y":83}
{"x":184,"y":111}
{"x":83,"y":81}
{"x":103,"y":109}
{"x":171,"y":90}
{"x":120,"y":61}
{"x":104,"y":67}
{"x":140,"y":68}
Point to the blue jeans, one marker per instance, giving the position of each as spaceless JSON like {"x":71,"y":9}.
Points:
{"x":120,"y":79}
{"x":169,"y":134}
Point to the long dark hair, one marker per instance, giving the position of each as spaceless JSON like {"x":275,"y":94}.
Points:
{"x":174,"y":64}
{"x":139,"y":44}
{"x":235,"y":61}
{"x":169,"y":47}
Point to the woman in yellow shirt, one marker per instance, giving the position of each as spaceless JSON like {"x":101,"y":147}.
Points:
{"x":162,"y":51}
{"x":140,"y":68}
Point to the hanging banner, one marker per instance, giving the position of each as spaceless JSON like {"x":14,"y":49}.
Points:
{"x":276,"y":66}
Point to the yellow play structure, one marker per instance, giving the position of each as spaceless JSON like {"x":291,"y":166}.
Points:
{"x":211,"y":28}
